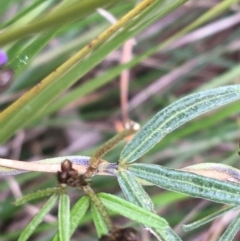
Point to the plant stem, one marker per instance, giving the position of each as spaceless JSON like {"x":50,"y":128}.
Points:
{"x":130,"y":128}
{"x":99,"y":205}
{"x":13,"y":167}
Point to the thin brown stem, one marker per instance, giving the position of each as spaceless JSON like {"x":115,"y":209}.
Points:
{"x":130,"y":128}
{"x":124,"y":78}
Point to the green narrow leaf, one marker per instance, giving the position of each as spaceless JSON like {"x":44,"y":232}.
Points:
{"x":77,"y":213}
{"x":137,"y":195}
{"x":99,"y":222}
{"x":232,"y":230}
{"x":166,"y":234}
{"x":189,"y":183}
{"x":176,"y":115}
{"x":64,"y":217}
{"x":25,"y":56}
{"x":35,"y":195}
{"x":133,"y":191}
{"x":37,"y":219}
{"x":132,"y":211}
{"x":209,"y":218}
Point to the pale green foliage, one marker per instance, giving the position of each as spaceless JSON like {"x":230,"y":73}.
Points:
{"x":176,"y":115}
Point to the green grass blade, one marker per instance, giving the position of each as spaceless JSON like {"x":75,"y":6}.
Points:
{"x":137,"y":195}
{"x":30,"y":106}
{"x":37,"y":219}
{"x":232,"y":230}
{"x":64,"y":217}
{"x":24,"y":57}
{"x":189,"y":183}
{"x":82,"y":68}
{"x":209,"y":218}
{"x":132,"y":211}
{"x":55,"y":19}
{"x":117,"y":70}
{"x":106,"y":77}
{"x":35,"y":195}
{"x":28,"y":14}
{"x":77,"y":213}
{"x":80,"y":91}
{"x":175,"y":115}
{"x":222,"y":79}
{"x":99,"y":222}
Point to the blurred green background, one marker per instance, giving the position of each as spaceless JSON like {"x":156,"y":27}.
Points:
{"x":76,"y":111}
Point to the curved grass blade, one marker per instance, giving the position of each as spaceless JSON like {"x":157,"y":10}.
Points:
{"x":77,"y":213}
{"x":37,"y":219}
{"x":176,"y":115}
{"x":232,"y":230}
{"x":209,"y":218}
{"x":70,"y":13}
{"x":64,"y":217}
{"x":24,"y":57}
{"x":113,"y":73}
{"x":77,"y":71}
{"x":189,"y":183}
{"x":30,"y":105}
{"x":38,"y":194}
{"x":132,"y":211}
{"x":137,"y":195}
{"x":27,"y":14}
{"x":99,"y":222}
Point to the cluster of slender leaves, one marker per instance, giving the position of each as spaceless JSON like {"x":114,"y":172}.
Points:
{"x":68,"y":220}
{"x":132,"y":175}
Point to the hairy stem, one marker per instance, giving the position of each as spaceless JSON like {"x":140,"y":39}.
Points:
{"x":99,"y":205}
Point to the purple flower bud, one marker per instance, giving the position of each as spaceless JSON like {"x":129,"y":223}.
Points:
{"x":3,"y":58}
